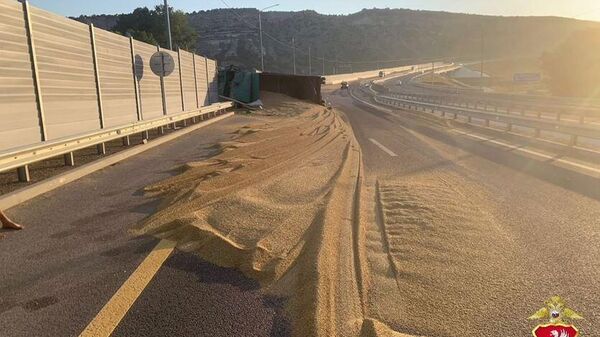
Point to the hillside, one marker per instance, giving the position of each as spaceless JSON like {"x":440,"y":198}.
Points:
{"x":231,"y":35}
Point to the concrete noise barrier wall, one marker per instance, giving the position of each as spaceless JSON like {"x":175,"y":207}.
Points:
{"x":60,"y":78}
{"x":337,"y":79}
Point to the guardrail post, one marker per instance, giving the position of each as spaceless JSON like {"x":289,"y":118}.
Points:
{"x":573,"y":140}
{"x":69,"y":159}
{"x":101,"y":148}
{"x":97,"y":76}
{"x":136,"y":86}
{"x":126,"y":141}
{"x":161,"y":130}
{"x":180,"y":79}
{"x":145,"y":135}
{"x":23,"y":174}
{"x":35,"y":72}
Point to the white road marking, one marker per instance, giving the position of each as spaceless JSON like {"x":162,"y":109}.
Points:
{"x":535,"y":153}
{"x":512,"y":147}
{"x":385,"y":149}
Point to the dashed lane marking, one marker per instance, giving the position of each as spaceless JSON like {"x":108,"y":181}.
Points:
{"x":383,"y":148}
{"x":113,"y":312}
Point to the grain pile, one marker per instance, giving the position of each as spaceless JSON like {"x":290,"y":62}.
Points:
{"x":277,"y":204}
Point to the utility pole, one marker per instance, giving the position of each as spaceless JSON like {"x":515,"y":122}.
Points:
{"x":335,"y":63}
{"x":168,"y":25}
{"x":309,"y":63}
{"x":294,"y":52}
{"x":262,"y":51}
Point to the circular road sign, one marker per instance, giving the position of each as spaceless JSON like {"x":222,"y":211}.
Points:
{"x":162,"y":63}
{"x":139,"y":67}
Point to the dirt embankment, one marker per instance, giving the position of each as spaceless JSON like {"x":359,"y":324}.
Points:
{"x":277,"y":204}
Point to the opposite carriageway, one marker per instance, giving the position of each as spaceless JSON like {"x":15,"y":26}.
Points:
{"x":582,"y":126}
{"x":579,"y":109}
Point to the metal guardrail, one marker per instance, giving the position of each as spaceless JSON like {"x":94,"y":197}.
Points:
{"x":523,"y":98}
{"x":20,"y":158}
{"x":507,"y":105}
{"x":572,"y":129}
{"x":486,"y":105}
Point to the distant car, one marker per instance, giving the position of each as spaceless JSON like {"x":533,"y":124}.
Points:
{"x":382,"y":74}
{"x":345,"y":85}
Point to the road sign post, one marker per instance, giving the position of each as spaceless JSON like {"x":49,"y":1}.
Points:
{"x":162,"y":64}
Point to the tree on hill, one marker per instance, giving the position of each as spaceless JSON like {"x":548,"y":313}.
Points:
{"x":148,"y":25}
{"x":573,"y":67}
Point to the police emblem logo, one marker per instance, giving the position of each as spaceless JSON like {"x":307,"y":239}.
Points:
{"x":559,"y":316}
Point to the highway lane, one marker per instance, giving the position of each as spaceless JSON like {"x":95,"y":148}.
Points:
{"x":571,"y":108}
{"x":76,"y":252}
{"x":467,"y":239}
{"x":481,"y":103}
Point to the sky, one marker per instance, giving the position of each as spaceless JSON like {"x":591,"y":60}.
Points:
{"x":581,"y":9}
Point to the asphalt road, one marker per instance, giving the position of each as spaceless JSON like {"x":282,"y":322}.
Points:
{"x":520,"y":231}
{"x":536,"y":228}
{"x":76,"y":252}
